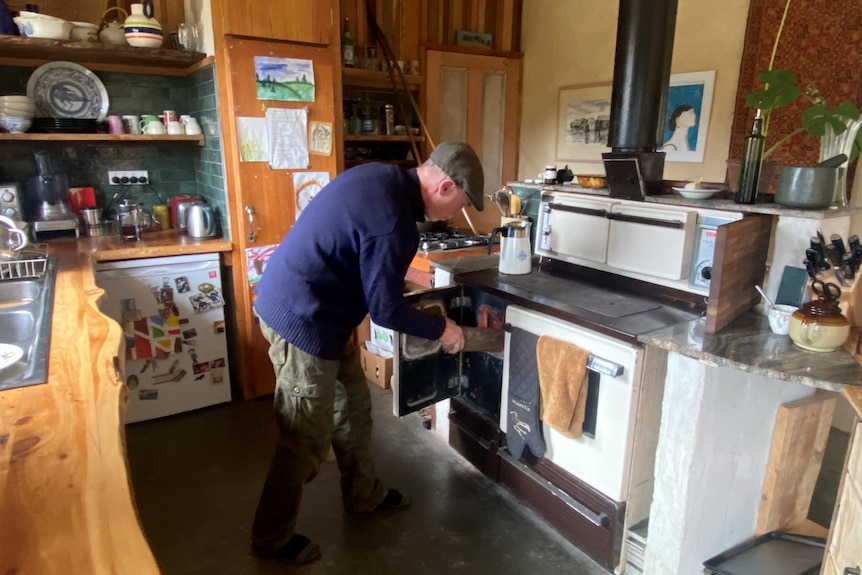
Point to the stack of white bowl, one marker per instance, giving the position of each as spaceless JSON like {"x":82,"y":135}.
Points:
{"x":16,"y":113}
{"x":36,"y":25}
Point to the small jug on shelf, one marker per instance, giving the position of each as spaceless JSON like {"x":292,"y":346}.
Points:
{"x":142,"y":30}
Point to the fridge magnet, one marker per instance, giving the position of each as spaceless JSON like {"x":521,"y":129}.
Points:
{"x":148,"y":394}
{"x":306,"y":185}
{"x":193,"y":354}
{"x":189,"y":333}
{"x":253,"y":141}
{"x":287,"y":130}
{"x":218,"y":326}
{"x":166,"y":295}
{"x":206,"y":287}
{"x":321,"y":138}
{"x":217,"y":371}
{"x":285,"y":79}
{"x":132,"y":382}
{"x":689,"y":103}
{"x":182,"y":284}
{"x":200,"y":368}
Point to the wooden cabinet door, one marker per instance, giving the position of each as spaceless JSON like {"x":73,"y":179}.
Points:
{"x":844,"y":551}
{"x":309,"y":21}
{"x":475,"y":98}
{"x":262,"y":201}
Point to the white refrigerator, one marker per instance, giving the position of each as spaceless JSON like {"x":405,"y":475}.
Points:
{"x":171,"y":311}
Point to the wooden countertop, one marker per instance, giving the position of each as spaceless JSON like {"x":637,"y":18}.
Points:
{"x":66,"y":504}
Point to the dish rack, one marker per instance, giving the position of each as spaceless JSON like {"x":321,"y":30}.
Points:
{"x":32,"y":262}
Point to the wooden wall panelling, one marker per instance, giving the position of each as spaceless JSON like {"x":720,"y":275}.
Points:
{"x":307,"y":21}
{"x":500,"y":18}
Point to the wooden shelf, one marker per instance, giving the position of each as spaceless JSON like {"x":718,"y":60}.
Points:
{"x":104,"y":139}
{"x":33,"y":52}
{"x":381,"y":139}
{"x":359,"y":78}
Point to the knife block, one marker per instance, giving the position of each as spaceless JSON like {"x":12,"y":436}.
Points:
{"x":849,"y":302}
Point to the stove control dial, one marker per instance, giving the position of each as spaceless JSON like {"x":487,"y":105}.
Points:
{"x":704,"y":270}
{"x":7,"y":196}
{"x":10,"y":213}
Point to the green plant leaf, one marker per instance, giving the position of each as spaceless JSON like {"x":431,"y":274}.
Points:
{"x":780,"y":89}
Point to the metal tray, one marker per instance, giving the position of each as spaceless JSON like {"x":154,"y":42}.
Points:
{"x":774,"y":553}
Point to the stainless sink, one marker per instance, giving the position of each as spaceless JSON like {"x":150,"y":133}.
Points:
{"x":26,"y":309}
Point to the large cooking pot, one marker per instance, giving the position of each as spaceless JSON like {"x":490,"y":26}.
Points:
{"x":12,"y":239}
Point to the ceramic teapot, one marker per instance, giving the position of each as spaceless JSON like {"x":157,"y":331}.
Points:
{"x":112,"y":32}
{"x":819,"y":324}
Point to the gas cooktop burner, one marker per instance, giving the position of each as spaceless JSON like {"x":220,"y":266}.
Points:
{"x":449,"y":240}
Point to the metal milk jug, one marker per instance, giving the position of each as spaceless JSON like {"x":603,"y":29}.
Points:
{"x":515,"y":255}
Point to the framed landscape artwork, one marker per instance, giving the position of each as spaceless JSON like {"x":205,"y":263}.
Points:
{"x":686,"y":118}
{"x":583,"y":119}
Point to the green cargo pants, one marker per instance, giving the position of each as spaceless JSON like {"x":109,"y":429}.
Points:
{"x":317,"y":403}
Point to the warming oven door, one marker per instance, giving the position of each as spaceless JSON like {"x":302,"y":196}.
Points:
{"x":602,"y":456}
{"x":573,"y":228}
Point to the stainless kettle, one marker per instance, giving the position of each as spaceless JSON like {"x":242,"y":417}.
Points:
{"x":200,"y":221}
{"x":12,"y":238}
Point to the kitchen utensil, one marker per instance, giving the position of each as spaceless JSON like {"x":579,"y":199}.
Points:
{"x":766,"y":297}
{"x":12,"y":239}
{"x":779,"y":318}
{"x":501,"y":198}
{"x":837,"y":241}
{"x":806,"y":187}
{"x":593,"y":181}
{"x":515,"y":257}
{"x":819,"y":325}
{"x":833,"y":162}
{"x":200,"y":221}
{"x":565,"y":175}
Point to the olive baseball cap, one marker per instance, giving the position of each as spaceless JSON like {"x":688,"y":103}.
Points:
{"x":460,"y":162}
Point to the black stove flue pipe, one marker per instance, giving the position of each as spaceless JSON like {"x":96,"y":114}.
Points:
{"x":644,"y":47}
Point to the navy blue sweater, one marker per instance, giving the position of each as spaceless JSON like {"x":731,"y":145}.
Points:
{"x":346,"y":256}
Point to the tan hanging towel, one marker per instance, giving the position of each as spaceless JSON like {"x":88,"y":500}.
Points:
{"x":563,"y":384}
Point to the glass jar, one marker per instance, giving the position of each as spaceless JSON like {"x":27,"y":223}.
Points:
{"x":549,"y":176}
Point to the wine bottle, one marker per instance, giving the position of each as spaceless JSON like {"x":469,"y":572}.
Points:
{"x":347,"y":51}
{"x":749,"y":168}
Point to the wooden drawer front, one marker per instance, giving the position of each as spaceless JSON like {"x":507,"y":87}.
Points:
{"x":583,"y":515}
{"x":654,"y":242}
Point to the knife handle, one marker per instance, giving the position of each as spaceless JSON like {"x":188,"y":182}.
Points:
{"x":820,"y":260}
{"x":852,"y":243}
{"x":833,"y":255}
{"x":838,"y":242}
{"x":811,"y":268}
{"x":848,"y":268}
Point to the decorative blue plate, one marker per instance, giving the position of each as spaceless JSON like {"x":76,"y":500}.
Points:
{"x":67,"y":90}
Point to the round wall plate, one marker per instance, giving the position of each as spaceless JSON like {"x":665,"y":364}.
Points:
{"x":67,"y":90}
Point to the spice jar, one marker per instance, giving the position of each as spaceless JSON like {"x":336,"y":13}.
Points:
{"x":549,"y":176}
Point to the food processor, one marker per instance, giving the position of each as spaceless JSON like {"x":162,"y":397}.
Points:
{"x":48,"y":196}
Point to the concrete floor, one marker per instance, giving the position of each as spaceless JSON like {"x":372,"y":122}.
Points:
{"x":197,"y":477}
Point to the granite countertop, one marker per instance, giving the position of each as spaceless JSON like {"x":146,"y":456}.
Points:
{"x":749,"y":345}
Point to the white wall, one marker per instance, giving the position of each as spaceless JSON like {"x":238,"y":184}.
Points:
{"x":573,"y":43}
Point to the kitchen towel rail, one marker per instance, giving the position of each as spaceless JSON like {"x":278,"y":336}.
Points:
{"x":594,"y":362}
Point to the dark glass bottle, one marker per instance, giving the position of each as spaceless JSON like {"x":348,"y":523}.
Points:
{"x":749,"y":168}
{"x":347,"y":50}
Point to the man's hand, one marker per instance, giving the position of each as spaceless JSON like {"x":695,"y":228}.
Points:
{"x":452,"y":339}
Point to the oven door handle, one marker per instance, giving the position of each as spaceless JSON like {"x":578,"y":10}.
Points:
{"x":646,"y":221}
{"x":579,"y":210}
{"x":597,"y":519}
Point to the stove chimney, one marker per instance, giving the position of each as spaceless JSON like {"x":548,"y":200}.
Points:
{"x":644,"y":48}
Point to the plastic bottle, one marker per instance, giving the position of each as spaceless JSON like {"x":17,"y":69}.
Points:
{"x":347,"y":51}
{"x":749,"y":168}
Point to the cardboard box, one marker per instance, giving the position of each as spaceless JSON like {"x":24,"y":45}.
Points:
{"x":362,"y":333}
{"x":377,"y":369}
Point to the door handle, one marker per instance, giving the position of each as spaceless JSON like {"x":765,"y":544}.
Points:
{"x":852,"y":571}
{"x":249,"y":209}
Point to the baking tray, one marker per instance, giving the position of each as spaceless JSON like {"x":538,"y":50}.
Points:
{"x":774,"y":553}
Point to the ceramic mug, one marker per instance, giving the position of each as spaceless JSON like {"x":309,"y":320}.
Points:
{"x":115,"y":125}
{"x":132,"y":124}
{"x":146,"y":120}
{"x":192,"y":127}
{"x":154,"y":128}
{"x":175,"y":128}
{"x":169,"y":116}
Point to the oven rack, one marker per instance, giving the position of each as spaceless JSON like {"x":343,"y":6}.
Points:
{"x":31,"y":262}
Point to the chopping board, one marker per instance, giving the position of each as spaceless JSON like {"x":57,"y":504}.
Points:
{"x":422,"y":261}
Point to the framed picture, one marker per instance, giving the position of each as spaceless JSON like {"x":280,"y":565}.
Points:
{"x":689,"y":101}
{"x":583,"y":119}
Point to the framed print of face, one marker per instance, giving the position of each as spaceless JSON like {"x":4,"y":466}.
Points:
{"x":686,"y":119}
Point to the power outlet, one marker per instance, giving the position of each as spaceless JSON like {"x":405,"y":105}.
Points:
{"x":128,"y":177}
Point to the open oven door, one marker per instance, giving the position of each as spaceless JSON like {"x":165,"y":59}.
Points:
{"x":421,"y":379}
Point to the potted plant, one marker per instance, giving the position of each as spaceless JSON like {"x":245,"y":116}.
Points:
{"x":781,"y":88}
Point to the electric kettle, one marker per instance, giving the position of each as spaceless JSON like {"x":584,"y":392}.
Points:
{"x":200,"y":221}
{"x":515,"y":256}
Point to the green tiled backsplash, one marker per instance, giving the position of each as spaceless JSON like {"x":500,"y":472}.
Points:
{"x":173,"y":170}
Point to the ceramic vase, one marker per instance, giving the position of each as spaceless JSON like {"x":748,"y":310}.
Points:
{"x":142,"y":30}
{"x":832,"y":144}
